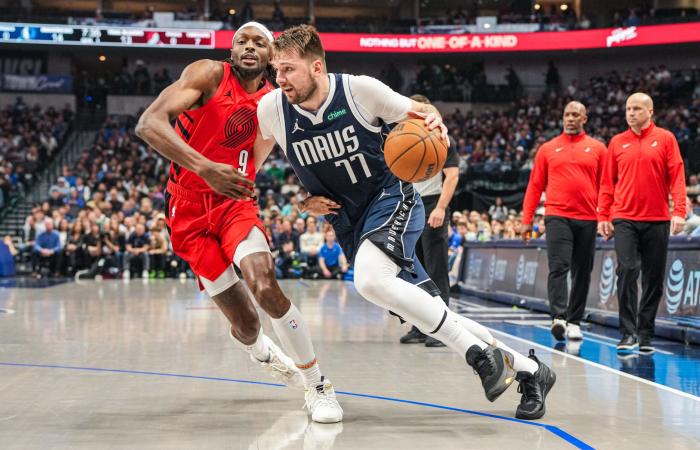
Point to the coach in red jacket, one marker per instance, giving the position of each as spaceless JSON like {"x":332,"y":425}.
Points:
{"x":642,"y":167}
{"x":568,"y":169}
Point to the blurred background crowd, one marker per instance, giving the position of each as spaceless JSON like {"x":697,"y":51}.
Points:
{"x":104,"y":215}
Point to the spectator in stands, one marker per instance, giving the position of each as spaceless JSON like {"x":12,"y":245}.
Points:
{"x":331,"y":259}
{"x":278,"y":17}
{"x":552,"y":80}
{"x":693,"y":187}
{"x":287,"y":234}
{"x":291,"y":186}
{"x":137,"y":247}
{"x":47,"y":249}
{"x":310,"y":243}
{"x":692,"y":221}
{"x":73,"y":252}
{"x":498,"y":211}
{"x":158,"y":252}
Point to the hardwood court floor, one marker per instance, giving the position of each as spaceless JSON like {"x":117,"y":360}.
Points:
{"x":149,"y":365}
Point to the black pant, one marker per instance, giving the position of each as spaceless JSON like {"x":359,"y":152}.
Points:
{"x":53,"y":261}
{"x":432,"y":249}
{"x":570,"y":246}
{"x":640,"y":245}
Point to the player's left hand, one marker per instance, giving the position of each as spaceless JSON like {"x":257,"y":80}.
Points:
{"x":437,"y":217}
{"x":677,"y":224}
{"x":432,"y":121}
{"x":317,"y":204}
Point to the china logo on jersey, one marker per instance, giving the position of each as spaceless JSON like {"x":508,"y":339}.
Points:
{"x":239,"y":127}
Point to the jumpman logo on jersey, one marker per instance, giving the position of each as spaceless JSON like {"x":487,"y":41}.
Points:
{"x":297,"y":127}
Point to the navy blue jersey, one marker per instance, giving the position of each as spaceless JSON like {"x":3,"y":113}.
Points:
{"x":335,"y":152}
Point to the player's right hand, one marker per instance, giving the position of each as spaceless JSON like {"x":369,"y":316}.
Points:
{"x":317,"y":205}
{"x":227,"y":180}
{"x":525,"y":232}
{"x":606,"y":229}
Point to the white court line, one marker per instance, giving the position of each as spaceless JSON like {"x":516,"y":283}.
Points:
{"x":473,"y":305}
{"x":504,"y":316}
{"x":600,"y":366}
{"x":586,"y":337}
{"x":601,"y":336}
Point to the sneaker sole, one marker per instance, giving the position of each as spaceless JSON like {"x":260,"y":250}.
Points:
{"x":507,"y":379}
{"x":558,"y":331}
{"x":327,"y":419}
{"x":539,"y":414}
{"x":627,"y":348}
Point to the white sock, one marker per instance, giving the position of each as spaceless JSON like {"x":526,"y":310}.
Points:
{"x":376,"y":280}
{"x":258,"y":348}
{"x":296,"y":341}
{"x":521,"y":362}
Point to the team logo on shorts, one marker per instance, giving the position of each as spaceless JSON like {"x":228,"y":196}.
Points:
{"x":294,"y":324}
{"x":239,"y":127}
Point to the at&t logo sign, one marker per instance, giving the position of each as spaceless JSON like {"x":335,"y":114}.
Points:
{"x":682,"y":287}
{"x":520,"y":273}
{"x":608,"y":280}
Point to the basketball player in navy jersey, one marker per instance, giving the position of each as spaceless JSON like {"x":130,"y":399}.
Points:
{"x":330,"y":127}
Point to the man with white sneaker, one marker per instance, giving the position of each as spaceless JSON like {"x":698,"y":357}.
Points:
{"x":568,"y":169}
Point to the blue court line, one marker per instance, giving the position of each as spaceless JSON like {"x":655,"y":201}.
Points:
{"x":551,"y":428}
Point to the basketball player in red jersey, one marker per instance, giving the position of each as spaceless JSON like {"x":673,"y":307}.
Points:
{"x":211,"y":215}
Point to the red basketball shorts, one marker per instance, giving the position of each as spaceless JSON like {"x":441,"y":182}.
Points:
{"x":206,"y":229}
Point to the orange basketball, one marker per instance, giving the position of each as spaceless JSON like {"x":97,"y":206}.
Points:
{"x":413,"y":153}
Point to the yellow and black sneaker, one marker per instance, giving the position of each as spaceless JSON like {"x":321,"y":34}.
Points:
{"x":495,"y":368}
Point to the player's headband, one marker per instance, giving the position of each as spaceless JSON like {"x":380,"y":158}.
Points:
{"x":262,"y":28}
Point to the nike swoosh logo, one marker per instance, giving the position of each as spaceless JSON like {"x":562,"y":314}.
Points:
{"x":625,"y":145}
{"x":558,"y":149}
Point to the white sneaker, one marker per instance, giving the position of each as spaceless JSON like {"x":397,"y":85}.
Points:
{"x":573,"y":332}
{"x":322,"y":404}
{"x":558,"y":329}
{"x":280,"y":366}
{"x":126,"y":274}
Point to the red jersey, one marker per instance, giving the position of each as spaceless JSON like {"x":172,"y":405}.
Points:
{"x":223,"y":130}
{"x":568,"y":168}
{"x":640,"y":171}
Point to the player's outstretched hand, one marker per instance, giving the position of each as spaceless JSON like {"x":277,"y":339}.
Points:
{"x":317,"y":204}
{"x":227,"y":180}
{"x":432,"y":121}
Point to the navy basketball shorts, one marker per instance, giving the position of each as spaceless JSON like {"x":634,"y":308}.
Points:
{"x":393,"y":222}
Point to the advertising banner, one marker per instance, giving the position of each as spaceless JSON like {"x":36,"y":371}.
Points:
{"x":55,"y":84}
{"x":501,"y":42}
{"x":523,"y":270}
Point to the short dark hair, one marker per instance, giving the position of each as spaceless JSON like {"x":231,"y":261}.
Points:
{"x":304,"y":39}
{"x":420,"y":98}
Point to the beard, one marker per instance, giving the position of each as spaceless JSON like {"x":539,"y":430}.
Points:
{"x":247,"y":73}
{"x":300,"y":96}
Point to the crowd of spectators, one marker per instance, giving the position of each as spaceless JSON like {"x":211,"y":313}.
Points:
{"x":29,"y":138}
{"x":505,"y":140}
{"x":104,"y":215}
